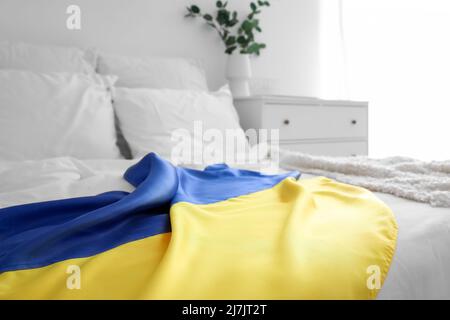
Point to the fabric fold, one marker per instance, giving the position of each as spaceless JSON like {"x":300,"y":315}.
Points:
{"x":38,"y":234}
{"x":219,"y":233}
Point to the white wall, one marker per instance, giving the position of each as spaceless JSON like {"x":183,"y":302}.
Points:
{"x":158,"y":27}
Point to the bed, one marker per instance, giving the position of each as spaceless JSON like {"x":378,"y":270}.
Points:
{"x":67,"y":149}
{"x":419,"y":269}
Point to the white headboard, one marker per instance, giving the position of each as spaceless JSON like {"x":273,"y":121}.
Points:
{"x":158,"y":27}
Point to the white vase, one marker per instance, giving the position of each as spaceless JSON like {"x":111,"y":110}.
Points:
{"x":238,"y":73}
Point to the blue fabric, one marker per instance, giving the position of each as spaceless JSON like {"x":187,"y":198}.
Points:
{"x":39,"y":234}
{"x":216,"y":183}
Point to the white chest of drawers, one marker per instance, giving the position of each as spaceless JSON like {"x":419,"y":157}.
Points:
{"x":309,"y":125}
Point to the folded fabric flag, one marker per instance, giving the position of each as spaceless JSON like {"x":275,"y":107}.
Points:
{"x":220,"y":233}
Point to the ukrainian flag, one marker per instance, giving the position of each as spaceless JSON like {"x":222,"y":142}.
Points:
{"x":220,"y":233}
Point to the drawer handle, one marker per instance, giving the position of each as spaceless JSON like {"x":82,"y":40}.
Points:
{"x":286,"y":122}
{"x":354,"y":122}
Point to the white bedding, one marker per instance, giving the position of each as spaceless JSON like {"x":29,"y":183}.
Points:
{"x":46,"y":115}
{"x":408,"y":178}
{"x":421,"y":266}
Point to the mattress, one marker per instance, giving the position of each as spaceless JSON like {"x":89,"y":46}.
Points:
{"x":419,"y":269}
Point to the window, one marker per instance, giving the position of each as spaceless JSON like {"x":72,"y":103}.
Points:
{"x":396,"y":55}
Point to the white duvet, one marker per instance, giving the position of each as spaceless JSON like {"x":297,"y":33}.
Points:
{"x":421,"y":266}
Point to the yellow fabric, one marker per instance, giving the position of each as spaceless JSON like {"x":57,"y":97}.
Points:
{"x":306,"y":239}
{"x":120,"y":273}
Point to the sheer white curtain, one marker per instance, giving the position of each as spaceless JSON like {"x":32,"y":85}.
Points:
{"x":396,"y":55}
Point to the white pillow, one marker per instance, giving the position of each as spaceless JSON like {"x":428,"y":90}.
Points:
{"x":150,"y":72}
{"x":41,"y":58}
{"x":55,"y":114}
{"x":149,"y":117}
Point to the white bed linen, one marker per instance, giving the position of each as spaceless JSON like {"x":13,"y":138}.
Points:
{"x":55,"y":114}
{"x":421,"y":266}
{"x":149,"y":119}
{"x":45,"y":58}
{"x":153,"y":72}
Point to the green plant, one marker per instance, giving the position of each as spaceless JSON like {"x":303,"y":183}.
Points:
{"x":226,"y":23}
